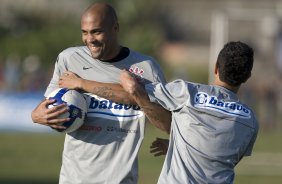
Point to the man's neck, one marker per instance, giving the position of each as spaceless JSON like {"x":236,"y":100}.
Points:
{"x":227,"y":86}
{"x":123,"y":53}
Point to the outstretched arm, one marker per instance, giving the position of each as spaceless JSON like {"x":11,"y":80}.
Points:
{"x":156,"y":114}
{"x":110,"y":91}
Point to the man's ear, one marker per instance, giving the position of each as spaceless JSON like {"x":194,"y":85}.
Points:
{"x":116,"y":27}
{"x":216,"y":68}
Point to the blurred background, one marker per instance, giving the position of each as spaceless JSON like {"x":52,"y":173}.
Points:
{"x":184,"y":36}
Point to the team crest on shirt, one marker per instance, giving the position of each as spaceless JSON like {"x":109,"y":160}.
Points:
{"x":204,"y":101}
{"x":103,"y":108}
{"x":138,"y":72}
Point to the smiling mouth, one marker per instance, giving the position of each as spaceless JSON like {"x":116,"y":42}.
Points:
{"x":94,"y":48}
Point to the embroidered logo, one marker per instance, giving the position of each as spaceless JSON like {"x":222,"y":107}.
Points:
{"x":138,"y":72}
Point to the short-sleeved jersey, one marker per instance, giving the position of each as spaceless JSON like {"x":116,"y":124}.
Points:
{"x":211,"y":131}
{"x":104,"y":150}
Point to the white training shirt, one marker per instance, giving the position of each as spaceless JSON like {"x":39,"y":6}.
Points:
{"x":104,"y":150}
{"x":211,"y":131}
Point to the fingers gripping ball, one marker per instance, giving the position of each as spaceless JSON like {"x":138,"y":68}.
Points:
{"x":77,"y":108}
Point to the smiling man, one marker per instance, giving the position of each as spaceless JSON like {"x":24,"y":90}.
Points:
{"x":105,"y":148}
{"x":99,"y":28}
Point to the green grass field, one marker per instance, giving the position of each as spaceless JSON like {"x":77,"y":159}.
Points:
{"x":36,"y":159}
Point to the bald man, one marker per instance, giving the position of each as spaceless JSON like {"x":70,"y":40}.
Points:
{"x":104,"y":149}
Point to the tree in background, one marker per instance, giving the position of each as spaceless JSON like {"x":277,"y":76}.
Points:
{"x":34,"y":36}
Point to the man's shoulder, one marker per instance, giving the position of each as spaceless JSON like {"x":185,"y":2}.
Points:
{"x":72,"y":50}
{"x":143,"y":59}
{"x":141,"y":56}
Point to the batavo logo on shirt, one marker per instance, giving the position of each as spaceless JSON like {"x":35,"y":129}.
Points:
{"x":204,"y":101}
{"x":103,"y":108}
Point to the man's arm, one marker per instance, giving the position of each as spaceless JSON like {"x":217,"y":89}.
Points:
{"x":157,"y":115}
{"x":110,"y":91}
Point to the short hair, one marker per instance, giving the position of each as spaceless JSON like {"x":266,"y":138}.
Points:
{"x":105,"y":9}
{"x":235,"y":63}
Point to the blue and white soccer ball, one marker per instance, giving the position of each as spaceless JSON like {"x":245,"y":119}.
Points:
{"x":77,"y":108}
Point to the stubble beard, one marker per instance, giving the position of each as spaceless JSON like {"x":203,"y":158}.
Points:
{"x":96,"y":53}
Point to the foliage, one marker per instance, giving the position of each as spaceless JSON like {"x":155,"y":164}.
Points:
{"x":46,"y":36}
{"x":45,"y":42}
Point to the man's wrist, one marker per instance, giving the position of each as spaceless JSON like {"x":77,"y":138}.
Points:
{"x":80,"y":83}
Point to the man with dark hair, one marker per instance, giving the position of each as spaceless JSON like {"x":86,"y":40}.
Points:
{"x":211,"y":130}
{"x":235,"y":63}
{"x":104,"y":150}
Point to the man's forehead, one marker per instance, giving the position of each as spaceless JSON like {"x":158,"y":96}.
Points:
{"x":94,"y":23}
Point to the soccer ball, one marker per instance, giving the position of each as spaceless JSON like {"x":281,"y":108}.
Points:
{"x":77,"y":108}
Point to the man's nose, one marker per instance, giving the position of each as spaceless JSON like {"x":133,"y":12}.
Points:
{"x":90,"y":38}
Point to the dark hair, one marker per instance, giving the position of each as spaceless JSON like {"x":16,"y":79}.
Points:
{"x":235,"y":63}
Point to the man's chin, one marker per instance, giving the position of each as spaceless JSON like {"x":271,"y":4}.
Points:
{"x":96,"y":55}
